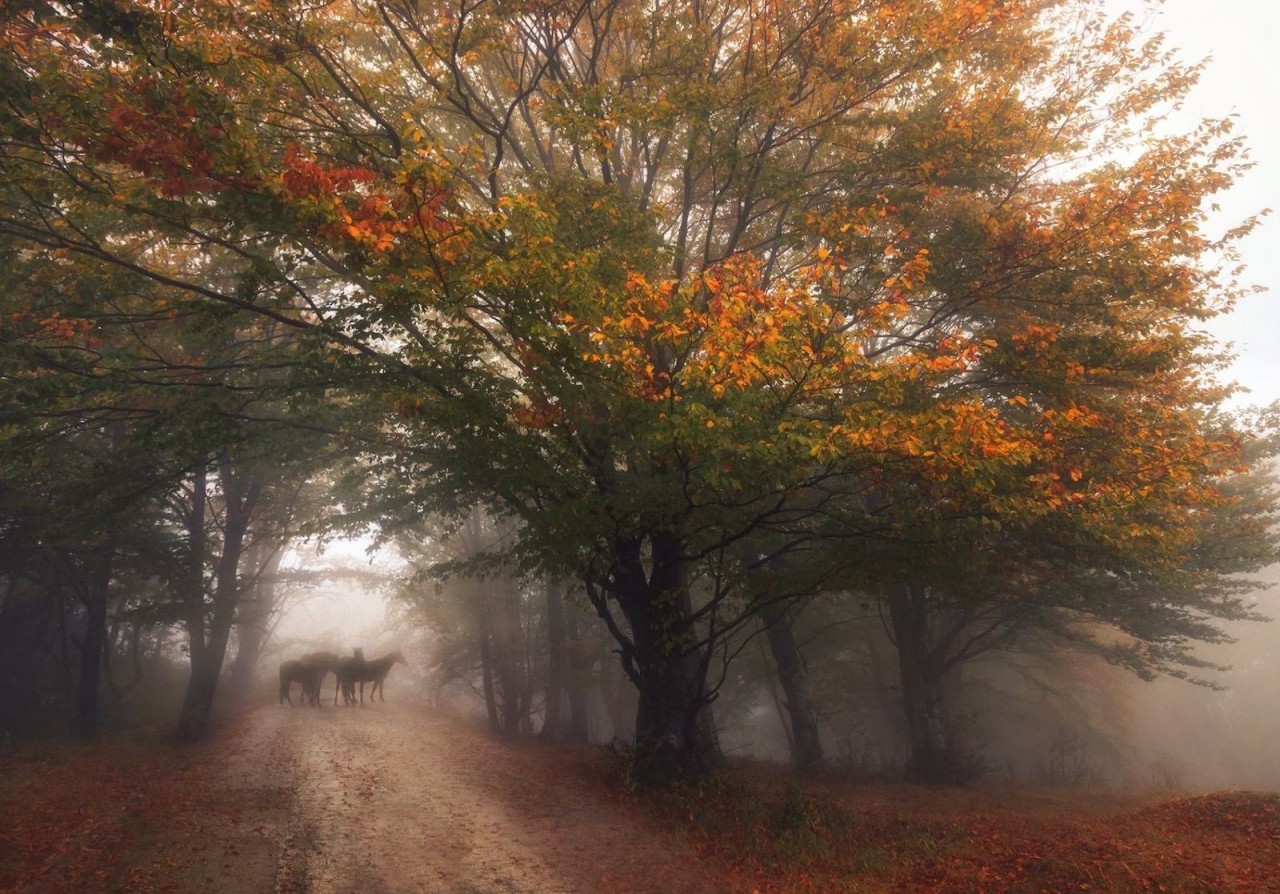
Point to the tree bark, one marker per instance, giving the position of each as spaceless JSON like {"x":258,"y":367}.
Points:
{"x":576,"y":682}
{"x":206,"y":663}
{"x":513,"y":678}
{"x":931,"y":757}
{"x":554,"y":727}
{"x":806,"y":741}
{"x":486,"y":681}
{"x":92,"y":646}
{"x":664,"y":662}
{"x":252,"y":621}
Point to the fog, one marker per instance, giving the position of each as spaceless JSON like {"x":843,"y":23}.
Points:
{"x":1027,"y":716}
{"x":1226,"y":739}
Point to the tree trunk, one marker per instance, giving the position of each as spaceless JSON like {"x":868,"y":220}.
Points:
{"x":779,"y":703}
{"x":618,"y":693}
{"x":806,"y":743}
{"x":94,"y":643}
{"x":553,"y":721}
{"x":664,"y":662}
{"x":931,"y":758}
{"x":513,"y":680}
{"x":579,"y":666}
{"x":206,"y":664}
{"x":486,"y":682}
{"x":252,"y":622}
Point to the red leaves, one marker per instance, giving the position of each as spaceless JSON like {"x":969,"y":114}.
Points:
{"x":365,"y":210}
{"x":304,"y":177}
{"x":66,"y":808}
{"x":159,"y":135}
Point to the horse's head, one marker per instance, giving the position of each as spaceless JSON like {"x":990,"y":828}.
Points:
{"x":397,"y":657}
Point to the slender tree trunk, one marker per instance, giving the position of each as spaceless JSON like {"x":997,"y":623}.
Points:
{"x":206,"y":666}
{"x":128,"y":645}
{"x":512,"y":677}
{"x":779,"y":704}
{"x":579,"y":666}
{"x":806,"y":742}
{"x":486,"y":682}
{"x":93,"y":644}
{"x":553,"y":722}
{"x":252,"y":622}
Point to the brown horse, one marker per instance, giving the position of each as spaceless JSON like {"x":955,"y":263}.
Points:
{"x":322,"y":663}
{"x":309,"y":672}
{"x":350,"y":671}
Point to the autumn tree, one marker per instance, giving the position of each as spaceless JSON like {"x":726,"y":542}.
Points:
{"x":660,"y":279}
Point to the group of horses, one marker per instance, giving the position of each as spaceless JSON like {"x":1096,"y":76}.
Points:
{"x":310,"y":670}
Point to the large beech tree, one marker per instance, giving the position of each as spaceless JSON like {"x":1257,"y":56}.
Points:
{"x":665,"y":278}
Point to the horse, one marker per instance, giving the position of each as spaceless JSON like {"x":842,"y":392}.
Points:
{"x":295,"y":671}
{"x":308,"y":671}
{"x":356,"y":662}
{"x":350,"y":671}
{"x":322,"y":663}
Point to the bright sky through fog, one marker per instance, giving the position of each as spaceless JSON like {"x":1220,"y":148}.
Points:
{"x":1241,"y":79}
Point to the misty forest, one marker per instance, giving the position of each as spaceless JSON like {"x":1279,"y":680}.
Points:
{"x":625,"y":446}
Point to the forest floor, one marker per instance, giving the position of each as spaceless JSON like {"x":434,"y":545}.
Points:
{"x":394,"y":797}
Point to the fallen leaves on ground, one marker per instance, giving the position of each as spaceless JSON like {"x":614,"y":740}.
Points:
{"x":120,"y":815}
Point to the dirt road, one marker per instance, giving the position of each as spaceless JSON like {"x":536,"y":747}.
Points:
{"x":396,"y":798}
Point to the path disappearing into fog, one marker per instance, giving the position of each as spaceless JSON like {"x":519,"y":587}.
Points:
{"x":393,"y":797}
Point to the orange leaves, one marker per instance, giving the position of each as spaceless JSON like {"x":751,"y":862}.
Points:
{"x":303,"y":177}
{"x":364,"y":208}
{"x":728,"y":333}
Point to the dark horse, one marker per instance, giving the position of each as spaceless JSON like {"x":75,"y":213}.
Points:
{"x":375,"y":670}
{"x":308,"y":671}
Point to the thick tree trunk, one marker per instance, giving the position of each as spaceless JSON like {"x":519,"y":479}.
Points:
{"x":665,"y":664}
{"x":931,"y":757}
{"x":618,"y":692}
{"x":806,"y":742}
